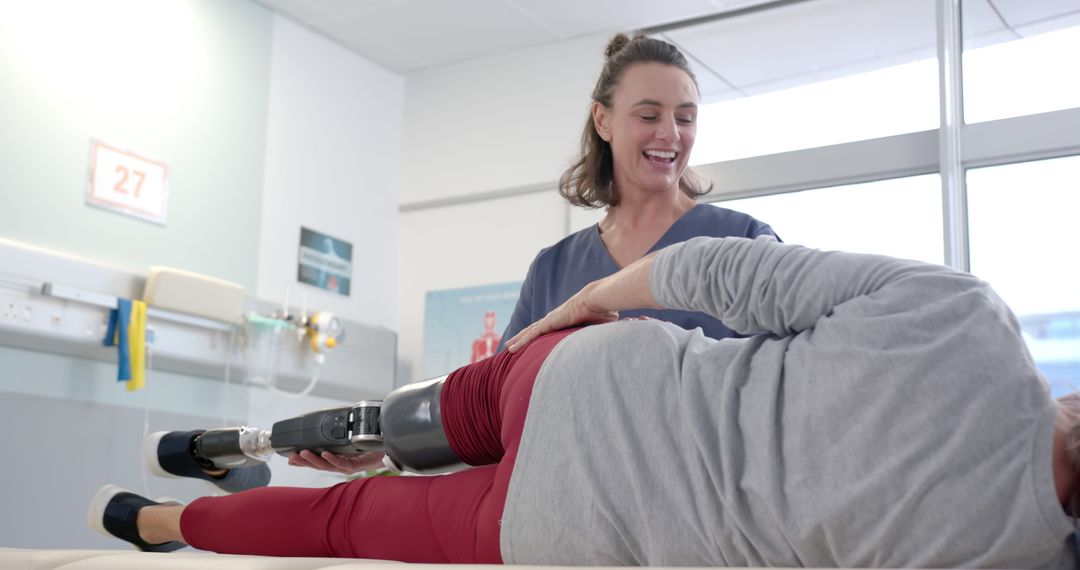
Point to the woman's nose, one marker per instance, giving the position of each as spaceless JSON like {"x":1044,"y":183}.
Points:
{"x":667,"y":130}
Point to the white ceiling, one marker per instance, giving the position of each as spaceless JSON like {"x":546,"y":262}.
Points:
{"x":795,"y":42}
{"x":407,"y":35}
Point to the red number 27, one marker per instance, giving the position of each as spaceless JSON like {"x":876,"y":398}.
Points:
{"x":121,"y":184}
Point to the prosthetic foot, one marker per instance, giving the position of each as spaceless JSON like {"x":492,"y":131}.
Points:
{"x":193,"y":453}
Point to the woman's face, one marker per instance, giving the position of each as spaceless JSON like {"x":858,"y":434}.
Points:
{"x":651,"y":126}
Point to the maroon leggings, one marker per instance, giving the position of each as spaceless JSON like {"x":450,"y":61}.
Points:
{"x":450,"y":518}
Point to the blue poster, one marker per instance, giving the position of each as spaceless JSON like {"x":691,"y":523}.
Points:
{"x":324,"y":262}
{"x":464,"y":325}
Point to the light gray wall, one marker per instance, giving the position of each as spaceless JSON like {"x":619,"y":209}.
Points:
{"x":333,"y":159}
{"x":185,"y":82}
{"x":497,"y":122}
{"x":490,"y":124}
{"x":69,"y":427}
{"x":218,"y":89}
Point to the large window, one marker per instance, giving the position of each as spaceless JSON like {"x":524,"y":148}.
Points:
{"x":1023,"y":220}
{"x":1021,"y":57}
{"x":893,"y":100}
{"x":821,"y":118}
{"x":900,"y":217}
{"x":812,"y":73}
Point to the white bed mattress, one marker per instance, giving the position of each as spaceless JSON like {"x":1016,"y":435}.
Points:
{"x":20,"y":559}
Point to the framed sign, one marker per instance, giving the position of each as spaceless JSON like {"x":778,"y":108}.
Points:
{"x":325,"y":262}
{"x":462,"y":326}
{"x":128,"y":182}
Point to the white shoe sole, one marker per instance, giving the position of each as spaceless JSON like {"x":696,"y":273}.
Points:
{"x":95,"y":517}
{"x":150,"y":455}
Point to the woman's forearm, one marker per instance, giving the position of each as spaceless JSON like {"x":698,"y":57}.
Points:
{"x":599,"y":302}
{"x":626,"y":289}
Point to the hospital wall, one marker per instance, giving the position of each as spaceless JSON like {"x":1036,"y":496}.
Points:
{"x":266,"y":127}
{"x":486,"y":141}
{"x":332,"y":164}
{"x":193,"y":94}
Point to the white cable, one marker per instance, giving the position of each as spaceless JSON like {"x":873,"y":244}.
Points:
{"x":146,"y":413}
{"x":228,"y":370}
{"x":302,"y":321}
{"x":307,"y":390}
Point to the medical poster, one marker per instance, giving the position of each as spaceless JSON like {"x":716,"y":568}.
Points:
{"x":325,"y":262}
{"x":464,"y":325}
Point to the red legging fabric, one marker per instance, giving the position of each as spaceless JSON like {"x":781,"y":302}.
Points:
{"x":450,"y":518}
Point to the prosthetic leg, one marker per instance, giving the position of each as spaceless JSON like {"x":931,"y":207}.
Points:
{"x":407,"y":425}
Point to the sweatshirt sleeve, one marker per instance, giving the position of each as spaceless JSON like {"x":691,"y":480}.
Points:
{"x":761,"y":285}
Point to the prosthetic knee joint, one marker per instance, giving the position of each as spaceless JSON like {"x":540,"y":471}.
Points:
{"x":407,"y":425}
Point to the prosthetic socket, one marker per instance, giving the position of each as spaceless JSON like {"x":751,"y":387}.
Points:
{"x":407,"y":425}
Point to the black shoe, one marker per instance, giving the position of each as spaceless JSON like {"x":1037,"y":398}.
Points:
{"x":113,"y":512}
{"x":171,"y":454}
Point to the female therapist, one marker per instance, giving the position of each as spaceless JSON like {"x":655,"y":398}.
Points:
{"x":634,"y":153}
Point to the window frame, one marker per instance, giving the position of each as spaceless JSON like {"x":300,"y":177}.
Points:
{"x":951,"y":149}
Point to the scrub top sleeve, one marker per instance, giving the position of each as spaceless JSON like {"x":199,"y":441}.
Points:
{"x":522,"y":315}
{"x":764,"y":230}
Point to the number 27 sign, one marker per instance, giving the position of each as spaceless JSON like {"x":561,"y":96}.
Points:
{"x":126,"y":182}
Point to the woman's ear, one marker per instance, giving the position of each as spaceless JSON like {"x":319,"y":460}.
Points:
{"x":601,"y":117}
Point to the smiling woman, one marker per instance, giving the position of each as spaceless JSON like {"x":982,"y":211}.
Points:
{"x":635,"y":147}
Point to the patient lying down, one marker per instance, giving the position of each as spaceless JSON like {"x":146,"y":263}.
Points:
{"x":886,"y":413}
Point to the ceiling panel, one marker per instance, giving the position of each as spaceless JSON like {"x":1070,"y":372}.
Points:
{"x":1021,"y":12}
{"x":348,"y":7}
{"x":438,"y":32}
{"x":709,"y":83}
{"x":1043,"y":26}
{"x":573,"y":18}
{"x":300,"y":10}
{"x":982,"y":25}
{"x":988,"y":22}
{"x":812,"y":40}
{"x":389,"y":56}
{"x":978,"y":17}
{"x":753,"y":53}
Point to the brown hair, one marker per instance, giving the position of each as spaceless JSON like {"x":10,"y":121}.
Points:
{"x":588,"y":182}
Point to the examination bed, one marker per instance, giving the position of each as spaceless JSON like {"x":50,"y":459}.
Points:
{"x":19,"y":559}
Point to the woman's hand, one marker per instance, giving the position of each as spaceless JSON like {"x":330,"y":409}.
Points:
{"x":598,"y":302}
{"x":579,"y":309}
{"x":347,"y":464}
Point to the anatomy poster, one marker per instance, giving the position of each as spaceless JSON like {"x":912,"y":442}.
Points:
{"x":324,"y":262}
{"x":465,"y":325}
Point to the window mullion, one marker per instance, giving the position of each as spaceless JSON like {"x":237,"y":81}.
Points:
{"x":950,"y":94}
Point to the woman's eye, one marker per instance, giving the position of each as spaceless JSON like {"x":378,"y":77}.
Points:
{"x":648,"y":117}
{"x":686,"y":120}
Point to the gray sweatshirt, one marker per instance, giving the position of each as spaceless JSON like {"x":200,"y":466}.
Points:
{"x":888,"y":415}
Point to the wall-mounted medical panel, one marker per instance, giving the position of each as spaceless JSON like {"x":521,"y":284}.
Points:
{"x":57,"y":303}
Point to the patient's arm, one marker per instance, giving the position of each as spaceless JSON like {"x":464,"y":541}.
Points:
{"x":756,"y":286}
{"x":598,"y":302}
{"x":752,"y":286}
